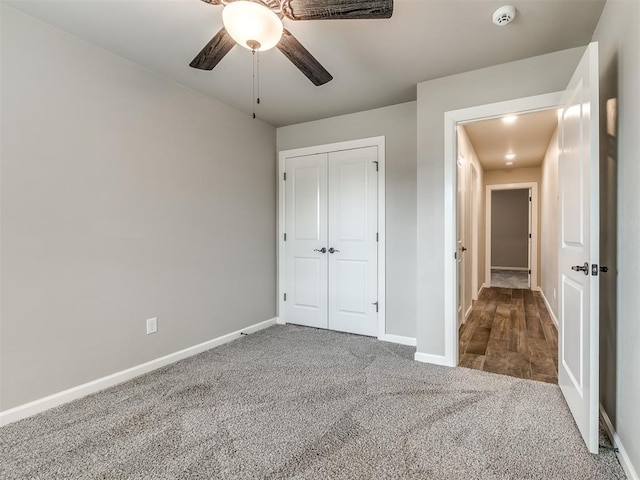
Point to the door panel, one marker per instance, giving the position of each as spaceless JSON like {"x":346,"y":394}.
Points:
{"x":352,"y":231}
{"x":351,"y":291}
{"x":306,"y":227}
{"x":578,"y":186}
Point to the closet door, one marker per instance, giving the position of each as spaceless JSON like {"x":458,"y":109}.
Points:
{"x":352,"y":243}
{"x":306,"y":227}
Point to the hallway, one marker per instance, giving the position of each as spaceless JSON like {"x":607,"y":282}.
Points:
{"x":510,"y":332}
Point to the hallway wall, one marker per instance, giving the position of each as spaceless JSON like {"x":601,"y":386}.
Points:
{"x":510,"y":229}
{"x":549,"y":225}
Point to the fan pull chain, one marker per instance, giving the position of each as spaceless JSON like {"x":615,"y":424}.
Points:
{"x":258,"y":86}
{"x":253,"y":86}
{"x":256,"y":78}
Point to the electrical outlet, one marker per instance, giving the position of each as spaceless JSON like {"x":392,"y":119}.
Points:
{"x":152,"y":325}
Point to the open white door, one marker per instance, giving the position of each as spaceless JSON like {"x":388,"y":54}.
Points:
{"x":460,"y":248}
{"x":578,"y":260}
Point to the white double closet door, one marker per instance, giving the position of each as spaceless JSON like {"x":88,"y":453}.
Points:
{"x":331,"y":245}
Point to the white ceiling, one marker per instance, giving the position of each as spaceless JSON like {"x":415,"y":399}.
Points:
{"x":528,"y":137}
{"x":374,"y":63}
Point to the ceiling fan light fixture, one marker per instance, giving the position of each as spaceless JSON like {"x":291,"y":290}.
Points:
{"x":252,"y":25}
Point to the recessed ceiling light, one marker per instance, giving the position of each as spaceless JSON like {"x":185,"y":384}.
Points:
{"x":510,"y":156}
{"x":509,"y":118}
{"x":508,"y":164}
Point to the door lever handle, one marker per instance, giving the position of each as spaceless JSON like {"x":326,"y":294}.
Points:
{"x":321,"y":250}
{"x":333,"y":250}
{"x":581,"y":268}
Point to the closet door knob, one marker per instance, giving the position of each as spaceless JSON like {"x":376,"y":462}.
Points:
{"x":321,"y":250}
{"x":333,"y":250}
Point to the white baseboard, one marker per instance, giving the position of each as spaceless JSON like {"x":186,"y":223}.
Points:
{"x":546,"y":302}
{"x":624,"y":459}
{"x":429,"y":358}
{"x":28,"y":409}
{"x":466,"y":315}
{"x":398,"y":339}
{"x":280,"y":321}
{"x":518,"y":269}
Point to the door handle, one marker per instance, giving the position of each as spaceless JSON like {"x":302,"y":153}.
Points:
{"x":581,"y":268}
{"x":333,"y":250}
{"x":321,"y":250}
{"x":464,"y":249}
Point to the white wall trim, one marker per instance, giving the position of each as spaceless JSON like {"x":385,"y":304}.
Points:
{"x":451,"y":121}
{"x":28,"y":409}
{"x":434,"y":359}
{"x":622,"y":455}
{"x":280,"y":321}
{"x":378,"y":142}
{"x":517,"y":269}
{"x":549,"y":309}
{"x":387,"y":337}
{"x":533,"y":259}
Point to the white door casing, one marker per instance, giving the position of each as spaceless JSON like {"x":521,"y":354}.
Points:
{"x":352,"y":254}
{"x":349,"y":170}
{"x":306,"y":227}
{"x":578,"y":302}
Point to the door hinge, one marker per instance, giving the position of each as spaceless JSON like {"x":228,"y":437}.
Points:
{"x":376,"y":304}
{"x":455,"y":255}
{"x":529,"y":272}
{"x":376,"y":162}
{"x":529,"y":198}
{"x":285,"y":237}
{"x":285,"y":297}
{"x":377,"y":237}
{"x":285,"y":176}
{"x":529,"y":235}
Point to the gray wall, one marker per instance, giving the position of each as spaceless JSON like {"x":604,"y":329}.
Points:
{"x":510,"y":228}
{"x":619,"y":38}
{"x":124,"y":196}
{"x":532,"y":76}
{"x":398,"y":125}
{"x":549,"y":225}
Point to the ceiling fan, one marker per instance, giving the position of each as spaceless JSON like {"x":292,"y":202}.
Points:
{"x":271,"y":13}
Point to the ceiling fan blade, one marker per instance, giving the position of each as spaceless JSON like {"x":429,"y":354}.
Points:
{"x":213,"y":51}
{"x":302,"y":59}
{"x":337,"y":9}
{"x":213,"y":2}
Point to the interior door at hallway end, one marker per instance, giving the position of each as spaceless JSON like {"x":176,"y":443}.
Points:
{"x":331,"y":247}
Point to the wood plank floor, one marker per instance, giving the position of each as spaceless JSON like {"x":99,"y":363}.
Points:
{"x":510,"y":331}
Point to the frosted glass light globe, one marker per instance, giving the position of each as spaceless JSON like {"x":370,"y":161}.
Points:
{"x":251,"y":22}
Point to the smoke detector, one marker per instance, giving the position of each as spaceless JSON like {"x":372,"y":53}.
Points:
{"x":504,"y":15}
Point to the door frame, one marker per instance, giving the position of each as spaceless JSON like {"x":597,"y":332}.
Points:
{"x":451,"y":120}
{"x":378,"y":142}
{"x":533,"y":222}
